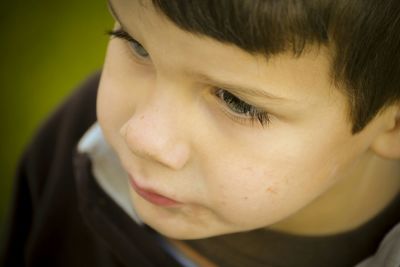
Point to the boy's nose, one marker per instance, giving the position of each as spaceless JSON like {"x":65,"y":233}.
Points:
{"x":153,"y":133}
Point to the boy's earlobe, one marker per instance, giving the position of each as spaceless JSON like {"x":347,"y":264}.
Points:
{"x":387,"y":144}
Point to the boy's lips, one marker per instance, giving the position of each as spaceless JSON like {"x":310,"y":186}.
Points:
{"x":152,"y":196}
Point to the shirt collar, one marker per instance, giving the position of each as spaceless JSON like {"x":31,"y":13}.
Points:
{"x":107,"y":169}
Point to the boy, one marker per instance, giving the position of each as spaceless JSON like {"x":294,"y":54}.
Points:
{"x":226,"y":133}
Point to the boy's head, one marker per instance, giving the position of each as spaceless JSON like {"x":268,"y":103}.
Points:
{"x":248,"y":112}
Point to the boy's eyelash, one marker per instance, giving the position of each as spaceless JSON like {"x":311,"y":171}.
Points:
{"x":120,"y":34}
{"x":136,"y":46}
{"x":238,"y":106}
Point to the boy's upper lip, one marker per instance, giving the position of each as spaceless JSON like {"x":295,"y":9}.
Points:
{"x":149,"y":189}
{"x":141,"y":183}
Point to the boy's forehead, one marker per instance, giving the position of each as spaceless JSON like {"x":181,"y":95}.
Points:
{"x":138,"y":15}
{"x":133,"y":7}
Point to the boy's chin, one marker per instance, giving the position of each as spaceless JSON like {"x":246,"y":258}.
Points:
{"x":179,"y":233}
{"x":177,"y":223}
{"x":192,"y":232}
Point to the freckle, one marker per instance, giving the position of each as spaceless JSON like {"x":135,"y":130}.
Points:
{"x":142,"y":117}
{"x":245,"y":198}
{"x":271,"y":190}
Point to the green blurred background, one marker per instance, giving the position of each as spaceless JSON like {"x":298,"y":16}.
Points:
{"x":46,"y":49}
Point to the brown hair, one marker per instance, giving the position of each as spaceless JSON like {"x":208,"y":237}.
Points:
{"x":364,"y":35}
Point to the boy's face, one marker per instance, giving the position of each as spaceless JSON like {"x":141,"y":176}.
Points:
{"x":179,"y":135}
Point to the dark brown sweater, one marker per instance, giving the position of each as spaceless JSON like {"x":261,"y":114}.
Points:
{"x":62,"y":218}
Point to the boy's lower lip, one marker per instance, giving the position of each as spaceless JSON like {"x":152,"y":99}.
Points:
{"x":152,"y":197}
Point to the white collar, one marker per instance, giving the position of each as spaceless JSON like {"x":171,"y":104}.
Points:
{"x":107,"y":169}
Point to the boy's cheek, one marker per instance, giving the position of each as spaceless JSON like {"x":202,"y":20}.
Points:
{"x":257,"y":197}
{"x":115,"y":103}
{"x":110,"y":115}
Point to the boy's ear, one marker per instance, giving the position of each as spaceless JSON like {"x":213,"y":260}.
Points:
{"x":387,"y":143}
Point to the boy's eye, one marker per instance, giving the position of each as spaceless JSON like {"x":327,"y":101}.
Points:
{"x":136,"y":46}
{"x":139,"y":49}
{"x":238,"y":106}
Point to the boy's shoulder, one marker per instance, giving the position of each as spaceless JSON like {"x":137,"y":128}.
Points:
{"x":75,"y":114}
{"x":57,"y":137}
{"x":44,"y":203}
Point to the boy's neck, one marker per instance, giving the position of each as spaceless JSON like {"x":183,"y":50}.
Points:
{"x":366,"y":191}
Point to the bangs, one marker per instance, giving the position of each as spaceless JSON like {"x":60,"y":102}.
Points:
{"x":268,"y":27}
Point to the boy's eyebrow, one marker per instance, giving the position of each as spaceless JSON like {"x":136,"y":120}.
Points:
{"x":222,"y":85}
{"x":243,"y":89}
{"x":113,"y":13}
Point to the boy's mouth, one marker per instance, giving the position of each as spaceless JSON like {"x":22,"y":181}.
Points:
{"x":151,"y":196}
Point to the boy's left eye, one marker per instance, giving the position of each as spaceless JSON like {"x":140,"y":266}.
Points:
{"x":242,"y":109}
{"x":136,"y":46}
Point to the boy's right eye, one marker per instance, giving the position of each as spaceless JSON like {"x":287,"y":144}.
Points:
{"x":137,"y":48}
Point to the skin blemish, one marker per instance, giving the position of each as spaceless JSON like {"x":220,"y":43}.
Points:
{"x":223,"y":203}
{"x":271,"y":190}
